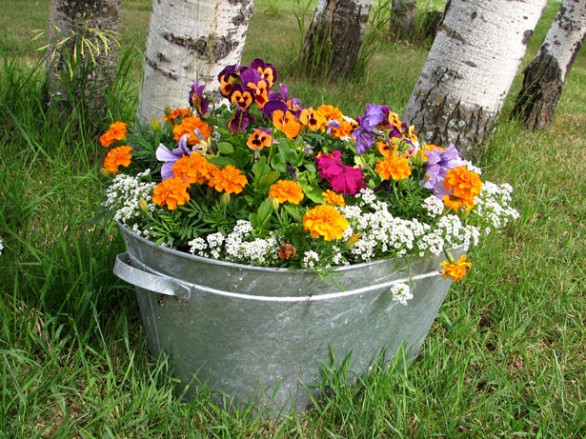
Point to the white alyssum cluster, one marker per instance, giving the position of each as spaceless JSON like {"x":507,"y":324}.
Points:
{"x":124,"y":193}
{"x":338,"y":258}
{"x":310,"y":259}
{"x":433,"y":206}
{"x":378,"y":231}
{"x":452,"y":233}
{"x":492,"y":205}
{"x":198,"y":246}
{"x":236,"y":247}
{"x":401,"y":293}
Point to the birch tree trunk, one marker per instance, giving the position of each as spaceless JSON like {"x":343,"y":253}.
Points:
{"x":470,"y":69}
{"x":545,"y":76}
{"x":333,"y":41}
{"x":403,"y":19}
{"x":189,"y":40}
{"x":82,"y":59}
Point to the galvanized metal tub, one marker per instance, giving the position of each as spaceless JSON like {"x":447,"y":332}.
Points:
{"x":262,"y":335}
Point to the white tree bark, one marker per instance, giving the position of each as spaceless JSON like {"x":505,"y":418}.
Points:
{"x":189,"y":40}
{"x":334,"y":39}
{"x":545,"y":76}
{"x":470,"y":69}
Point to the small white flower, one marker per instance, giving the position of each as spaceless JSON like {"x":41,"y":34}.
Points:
{"x":124,"y":193}
{"x":433,"y":206}
{"x":401,"y":293}
{"x":310,"y":258}
{"x":198,"y":246}
{"x":215,"y":239}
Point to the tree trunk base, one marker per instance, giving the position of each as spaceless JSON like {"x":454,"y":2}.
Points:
{"x":541,"y":91}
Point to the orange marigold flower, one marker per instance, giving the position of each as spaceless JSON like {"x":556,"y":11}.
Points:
{"x":229,"y":179}
{"x":188,"y":126}
{"x":116,"y":157}
{"x":117,"y":131}
{"x":456,"y":270}
{"x":173,"y":115}
{"x":455,"y":203}
{"x":325,"y":221}
{"x":286,"y":123}
{"x":329,"y":112}
{"x":393,"y":167}
{"x":172,"y":192}
{"x":286,"y":191}
{"x":192,"y":168}
{"x":331,"y":197}
{"x":261,"y":138}
{"x":463,"y":185}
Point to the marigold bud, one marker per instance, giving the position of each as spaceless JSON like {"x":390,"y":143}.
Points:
{"x":155,"y":124}
{"x":142,"y":204}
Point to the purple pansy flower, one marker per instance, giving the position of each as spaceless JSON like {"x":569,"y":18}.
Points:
{"x":197,"y":100}
{"x":170,"y":157}
{"x":267,"y":71}
{"x":240,"y":120}
{"x":437,"y":165}
{"x":375,"y":117}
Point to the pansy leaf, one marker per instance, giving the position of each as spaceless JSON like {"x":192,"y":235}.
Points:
{"x":314,"y":193}
{"x":223,"y":161}
{"x":264,"y":212}
{"x":294,"y":211}
{"x":269,"y":178}
{"x":225,"y":148}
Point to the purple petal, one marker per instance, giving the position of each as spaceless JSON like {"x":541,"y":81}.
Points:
{"x":164,"y":155}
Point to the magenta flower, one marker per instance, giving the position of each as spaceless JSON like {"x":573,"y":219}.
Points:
{"x":343,"y":179}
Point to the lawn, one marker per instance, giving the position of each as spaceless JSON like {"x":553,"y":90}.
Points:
{"x":505,"y":357}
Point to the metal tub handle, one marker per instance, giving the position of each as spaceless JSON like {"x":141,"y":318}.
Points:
{"x":148,"y":281}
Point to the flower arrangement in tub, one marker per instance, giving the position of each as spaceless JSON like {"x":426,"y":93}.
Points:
{"x":263,"y":180}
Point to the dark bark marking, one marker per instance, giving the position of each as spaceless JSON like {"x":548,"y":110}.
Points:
{"x":245,"y":12}
{"x":156,"y":67}
{"x":527,"y":35}
{"x":212,"y":47}
{"x":452,"y":33}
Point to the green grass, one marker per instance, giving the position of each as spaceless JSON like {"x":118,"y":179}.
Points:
{"x":505,"y":357}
